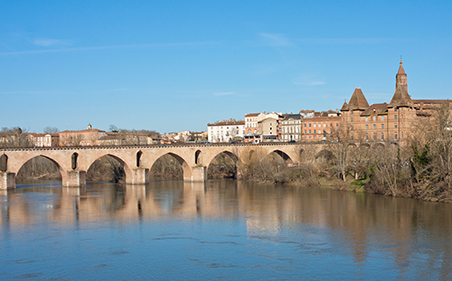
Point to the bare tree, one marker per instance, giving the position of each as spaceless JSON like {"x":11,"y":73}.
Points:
{"x":51,"y":130}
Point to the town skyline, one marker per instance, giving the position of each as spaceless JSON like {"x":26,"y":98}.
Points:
{"x":172,"y":67}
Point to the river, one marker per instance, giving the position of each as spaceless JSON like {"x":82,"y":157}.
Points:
{"x":219,"y":230}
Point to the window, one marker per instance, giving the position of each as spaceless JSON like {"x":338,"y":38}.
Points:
{"x":305,"y":125}
{"x":382,"y":136}
{"x":382,"y":126}
{"x":314,"y":131}
{"x":395,"y":109}
{"x":315,"y":125}
{"x":367,"y":127}
{"x":395,"y":125}
{"x":351,"y":136}
{"x":395,"y":136}
{"x":382,"y":118}
{"x":337,"y":124}
{"x":351,"y":127}
{"x":305,"y":131}
{"x":395,"y":117}
{"x":367,"y":137}
{"x":351,"y":112}
{"x":367,"y":118}
{"x":374,"y":118}
{"x":375,"y":137}
{"x":351,"y":119}
{"x":309,"y":125}
{"x":375,"y":127}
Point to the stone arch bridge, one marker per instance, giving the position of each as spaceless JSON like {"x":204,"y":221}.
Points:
{"x":74,"y":162}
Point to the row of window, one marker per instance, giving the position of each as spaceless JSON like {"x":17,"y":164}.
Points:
{"x":375,"y":136}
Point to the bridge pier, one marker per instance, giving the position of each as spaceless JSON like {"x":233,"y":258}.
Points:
{"x":199,"y":173}
{"x":139,"y":176}
{"x":75,"y":179}
{"x":7,"y":180}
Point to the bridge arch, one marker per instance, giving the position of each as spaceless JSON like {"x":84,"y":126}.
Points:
{"x":186,"y":169}
{"x":125,"y":165}
{"x":228,"y":168}
{"x":3,"y":163}
{"x":283,"y":155}
{"x":40,"y":167}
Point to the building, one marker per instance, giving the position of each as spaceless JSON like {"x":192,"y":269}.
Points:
{"x":251,"y":128}
{"x":269,"y":128}
{"x":43,"y":140}
{"x":226,"y":131}
{"x":383,"y":121}
{"x":291,"y":128}
{"x":307,"y":113}
{"x":320,"y":127}
{"x":88,"y":137}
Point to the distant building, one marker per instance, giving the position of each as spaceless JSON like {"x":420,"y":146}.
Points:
{"x":226,"y":130}
{"x":269,"y":128}
{"x":320,"y":127}
{"x":88,"y":137}
{"x":251,"y":127}
{"x":307,"y":113}
{"x":383,"y":121}
{"x":43,"y":140}
{"x":291,"y":128}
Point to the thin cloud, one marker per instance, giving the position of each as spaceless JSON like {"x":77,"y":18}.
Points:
{"x":96,"y":48}
{"x":273,"y":39}
{"x":308,"y":80}
{"x":344,"y":41}
{"x":45,"y":42}
{"x":224,"y":94}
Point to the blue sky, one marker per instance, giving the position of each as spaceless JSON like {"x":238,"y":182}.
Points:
{"x":177,"y":65}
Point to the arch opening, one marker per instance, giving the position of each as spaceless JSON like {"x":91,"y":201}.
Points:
{"x":325,"y":154}
{"x":74,"y":161}
{"x":283,"y":156}
{"x":107,"y":168}
{"x":139,"y":154}
{"x":198,"y":157}
{"x":223,"y":165}
{"x":3,"y":163}
{"x":170,"y":166}
{"x":39,"y":168}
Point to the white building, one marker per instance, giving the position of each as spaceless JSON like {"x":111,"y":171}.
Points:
{"x":226,"y":130}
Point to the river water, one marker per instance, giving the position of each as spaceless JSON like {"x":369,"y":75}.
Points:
{"x":220,"y":230}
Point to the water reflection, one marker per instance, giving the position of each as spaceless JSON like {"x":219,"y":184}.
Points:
{"x":411,"y":235}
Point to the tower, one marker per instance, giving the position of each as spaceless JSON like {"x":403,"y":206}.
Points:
{"x":401,"y":78}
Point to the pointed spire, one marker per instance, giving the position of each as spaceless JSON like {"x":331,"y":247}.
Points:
{"x":401,"y":96}
{"x":401,"y":70}
{"x":344,"y":106}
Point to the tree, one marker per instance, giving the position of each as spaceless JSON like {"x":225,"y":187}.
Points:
{"x":51,"y":130}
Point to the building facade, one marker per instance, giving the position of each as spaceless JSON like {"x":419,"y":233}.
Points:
{"x":88,"y":137}
{"x":383,"y":121}
{"x":226,"y":131}
{"x":291,"y":128}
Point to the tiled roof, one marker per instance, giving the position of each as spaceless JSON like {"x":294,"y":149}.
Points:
{"x":380,"y":108}
{"x":358,"y":101}
{"x":252,"y":114}
{"x":401,"y":97}
{"x":292,"y":116}
{"x":228,"y":123}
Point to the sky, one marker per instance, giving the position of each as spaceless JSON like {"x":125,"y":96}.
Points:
{"x":171,"y":66}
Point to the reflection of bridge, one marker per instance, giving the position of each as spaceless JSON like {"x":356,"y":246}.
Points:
{"x":74,"y":162}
